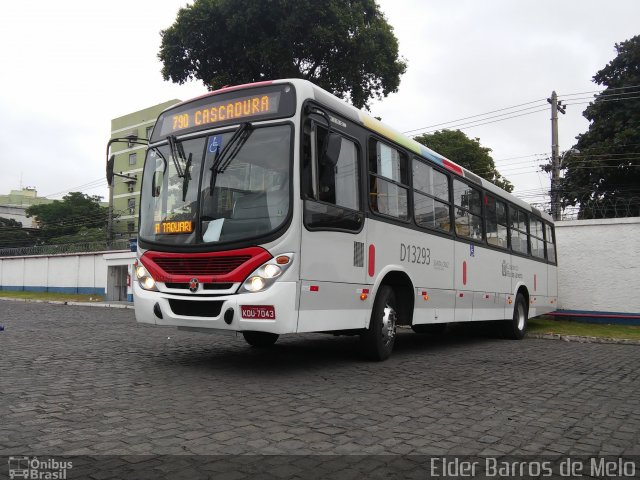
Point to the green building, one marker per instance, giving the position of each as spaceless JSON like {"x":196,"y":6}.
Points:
{"x":129,"y":160}
{"x":15,"y":204}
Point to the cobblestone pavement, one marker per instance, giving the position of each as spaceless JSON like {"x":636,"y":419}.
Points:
{"x":81,"y":380}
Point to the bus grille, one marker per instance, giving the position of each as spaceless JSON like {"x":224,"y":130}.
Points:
{"x":189,"y":308}
{"x":201,"y":265}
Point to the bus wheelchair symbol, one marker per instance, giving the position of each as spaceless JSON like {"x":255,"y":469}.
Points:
{"x":18,"y":467}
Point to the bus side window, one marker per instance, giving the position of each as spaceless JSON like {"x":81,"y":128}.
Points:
{"x":537,"y":238}
{"x":550,"y":242}
{"x":468,"y":210}
{"x":330,"y":181}
{"x":336,"y":169}
{"x":430,"y":197}
{"x":388,"y":180}
{"x":519,"y":235}
{"x":496,"y":222}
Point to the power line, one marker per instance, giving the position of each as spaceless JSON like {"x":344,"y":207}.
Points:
{"x":475,"y":116}
{"x":597,"y":91}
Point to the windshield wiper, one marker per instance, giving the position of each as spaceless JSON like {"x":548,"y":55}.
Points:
{"x":225,"y":156}
{"x":177,"y":153}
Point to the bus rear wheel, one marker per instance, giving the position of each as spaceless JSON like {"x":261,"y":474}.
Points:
{"x":516,"y":328}
{"x":378,"y":340}
{"x":260,"y":339}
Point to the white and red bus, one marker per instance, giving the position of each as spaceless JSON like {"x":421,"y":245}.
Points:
{"x":276,"y":208}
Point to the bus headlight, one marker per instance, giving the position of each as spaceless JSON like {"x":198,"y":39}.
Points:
{"x":144,"y":278}
{"x":265,"y":275}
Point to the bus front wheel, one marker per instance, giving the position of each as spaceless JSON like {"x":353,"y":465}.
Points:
{"x":378,"y":340}
{"x":516,"y":328}
{"x":260,"y":339}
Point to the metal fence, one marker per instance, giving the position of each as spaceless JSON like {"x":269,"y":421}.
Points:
{"x":589,"y":208}
{"x":65,"y":248}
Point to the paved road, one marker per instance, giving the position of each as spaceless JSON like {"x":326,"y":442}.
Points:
{"x":81,"y":380}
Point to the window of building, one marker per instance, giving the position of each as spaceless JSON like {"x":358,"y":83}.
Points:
{"x":496,"y":213}
{"x":467,"y":211}
{"x":132,"y":205}
{"x":550,"y":241}
{"x":133,"y":158}
{"x":148,"y":132}
{"x":519,"y":231}
{"x":430,"y":197}
{"x":131,"y":227}
{"x":388,"y":180}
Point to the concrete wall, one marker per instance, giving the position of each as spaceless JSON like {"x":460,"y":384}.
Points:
{"x":64,"y":273}
{"x":599,"y":265}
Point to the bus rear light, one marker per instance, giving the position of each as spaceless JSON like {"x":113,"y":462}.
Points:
{"x":282,"y":260}
{"x":364,"y":294}
{"x":425,"y":295}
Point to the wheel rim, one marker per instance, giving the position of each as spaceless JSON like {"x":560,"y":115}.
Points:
{"x":388,"y":329}
{"x":521,"y":316}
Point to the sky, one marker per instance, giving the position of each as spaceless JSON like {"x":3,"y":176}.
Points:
{"x":68,"y":67}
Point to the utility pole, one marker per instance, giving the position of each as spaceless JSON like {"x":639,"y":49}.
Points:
{"x":555,"y":154}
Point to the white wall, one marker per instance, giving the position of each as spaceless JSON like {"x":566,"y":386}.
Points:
{"x":18,"y":214}
{"x":64,"y":273}
{"x":599,"y":265}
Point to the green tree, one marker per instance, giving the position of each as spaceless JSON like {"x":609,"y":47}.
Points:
{"x":344,"y":46}
{"x":65,"y":218}
{"x":466,"y":152}
{"x":602,"y":169}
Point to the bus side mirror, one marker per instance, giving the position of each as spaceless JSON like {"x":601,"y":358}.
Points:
{"x":110,"y":163}
{"x":331,"y":150}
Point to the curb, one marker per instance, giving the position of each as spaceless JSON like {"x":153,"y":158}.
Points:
{"x":75,"y":304}
{"x":579,"y":339}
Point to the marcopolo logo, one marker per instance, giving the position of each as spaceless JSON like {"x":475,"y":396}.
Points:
{"x":36,"y":469}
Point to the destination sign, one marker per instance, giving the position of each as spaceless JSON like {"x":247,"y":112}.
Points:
{"x":240,"y":108}
{"x":227,"y":108}
{"x":166,"y":228}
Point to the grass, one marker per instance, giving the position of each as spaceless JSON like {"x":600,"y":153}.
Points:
{"x":47,"y":296}
{"x":567,"y":327}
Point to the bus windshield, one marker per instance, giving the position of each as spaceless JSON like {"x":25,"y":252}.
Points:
{"x":229,"y":186}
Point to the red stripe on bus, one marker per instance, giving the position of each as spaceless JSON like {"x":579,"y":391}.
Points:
{"x":449,"y":165}
{"x":372,"y":260}
{"x":228,"y":89}
{"x":464,"y":273}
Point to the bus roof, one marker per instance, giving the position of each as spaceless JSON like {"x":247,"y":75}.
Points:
{"x":357,"y":116}
{"x":390,"y":133}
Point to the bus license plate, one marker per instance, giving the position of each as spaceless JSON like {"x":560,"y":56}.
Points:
{"x":258,"y":312}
